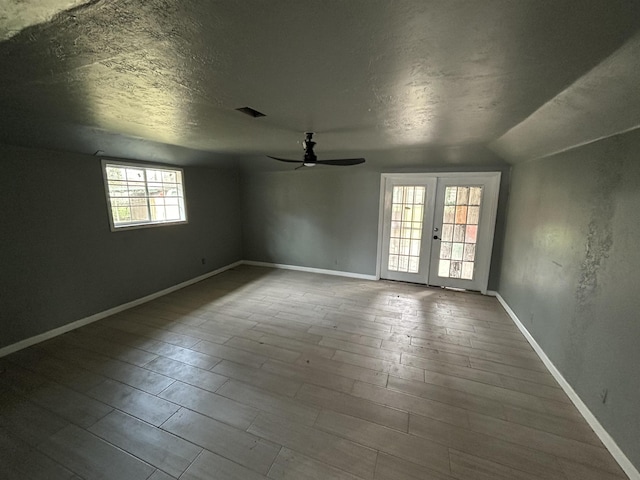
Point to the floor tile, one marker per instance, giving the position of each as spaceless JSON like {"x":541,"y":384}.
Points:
{"x":211,"y":404}
{"x":229,"y":442}
{"x":156,"y":447}
{"x":355,"y":406}
{"x":211,"y":466}
{"x":314,"y":443}
{"x":258,"y":377}
{"x":135,"y":402}
{"x":91,"y":457}
{"x":402,"y":445}
{"x":290,"y":465}
{"x":269,"y":402}
{"x":186,"y":373}
{"x":394,"y":468}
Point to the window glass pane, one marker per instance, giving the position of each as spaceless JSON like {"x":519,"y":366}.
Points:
{"x":456,"y":251}
{"x":155,"y":189}
{"x":395,"y":229}
{"x":463,"y":196}
{"x":461,"y":214}
{"x":415,"y":248}
{"x":473,"y":215}
{"x":403,"y":263}
{"x":445,"y":250}
{"x":417,"y":213}
{"x":137,"y":189}
{"x":455,"y":271}
{"x":139,"y":209}
{"x":406,"y":214}
{"x":449,"y":214}
{"x":154,"y":175}
{"x":120,"y":202}
{"x":458,"y":233}
{"x":450,"y":195}
{"x":419,"y":195}
{"x":413,"y":264}
{"x":416,"y":234}
{"x":475,"y":195}
{"x":443,"y":268}
{"x":121,"y":214}
{"x":135,"y":175}
{"x":169,"y":176}
{"x":404,"y":247}
{"x":172,"y":212}
{"x":118,"y":189}
{"x":469,"y":252}
{"x":158,"y":212}
{"x":408,"y":196}
{"x":116,"y":173}
{"x":472,"y":233}
{"x":467,"y":271}
{"x":393,"y":263}
{"x":170,"y":191}
{"x":447,"y":232}
{"x":394,"y":246}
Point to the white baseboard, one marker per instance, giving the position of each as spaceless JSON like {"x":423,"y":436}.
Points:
{"x":100,"y":315}
{"x":311,"y":270}
{"x":604,"y":436}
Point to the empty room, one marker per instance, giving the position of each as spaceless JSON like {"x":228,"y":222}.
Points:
{"x":305,"y":239}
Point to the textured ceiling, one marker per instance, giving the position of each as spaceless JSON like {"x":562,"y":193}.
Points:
{"x":404,"y":83}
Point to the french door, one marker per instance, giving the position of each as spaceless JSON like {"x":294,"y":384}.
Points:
{"x":437,"y":229}
{"x":408,"y":222}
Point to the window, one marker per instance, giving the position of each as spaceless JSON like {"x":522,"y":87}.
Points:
{"x":143,"y":195}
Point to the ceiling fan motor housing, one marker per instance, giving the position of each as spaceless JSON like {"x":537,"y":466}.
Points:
{"x":310,"y":158}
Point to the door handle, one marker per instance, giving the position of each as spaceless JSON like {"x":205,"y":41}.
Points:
{"x":435,"y":237}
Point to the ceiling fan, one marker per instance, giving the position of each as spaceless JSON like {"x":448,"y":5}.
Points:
{"x":310,"y":159}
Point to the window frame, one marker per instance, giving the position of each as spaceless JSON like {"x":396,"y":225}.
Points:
{"x":144,"y":166}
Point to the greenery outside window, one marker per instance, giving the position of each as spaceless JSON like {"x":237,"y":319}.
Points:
{"x":143,"y":195}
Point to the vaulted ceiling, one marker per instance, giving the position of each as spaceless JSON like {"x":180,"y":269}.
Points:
{"x":404,"y":83}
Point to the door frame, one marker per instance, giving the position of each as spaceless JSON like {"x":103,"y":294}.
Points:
{"x":491,"y":209}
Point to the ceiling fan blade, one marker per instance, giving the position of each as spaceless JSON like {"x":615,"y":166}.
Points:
{"x":285,"y":160}
{"x":342,"y":161}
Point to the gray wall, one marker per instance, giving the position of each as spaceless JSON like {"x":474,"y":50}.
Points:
{"x":571,"y":270}
{"x":59,"y":261}
{"x":328,"y":217}
{"x":320,"y":218}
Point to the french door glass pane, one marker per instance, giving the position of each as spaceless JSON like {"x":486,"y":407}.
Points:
{"x":459,"y":231}
{"x":407,"y":215}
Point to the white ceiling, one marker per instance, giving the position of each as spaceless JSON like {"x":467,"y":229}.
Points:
{"x":403,"y":83}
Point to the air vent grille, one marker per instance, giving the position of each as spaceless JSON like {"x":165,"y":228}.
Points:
{"x":251,"y":112}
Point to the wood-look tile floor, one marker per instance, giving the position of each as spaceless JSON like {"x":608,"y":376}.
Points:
{"x":260,"y":373}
